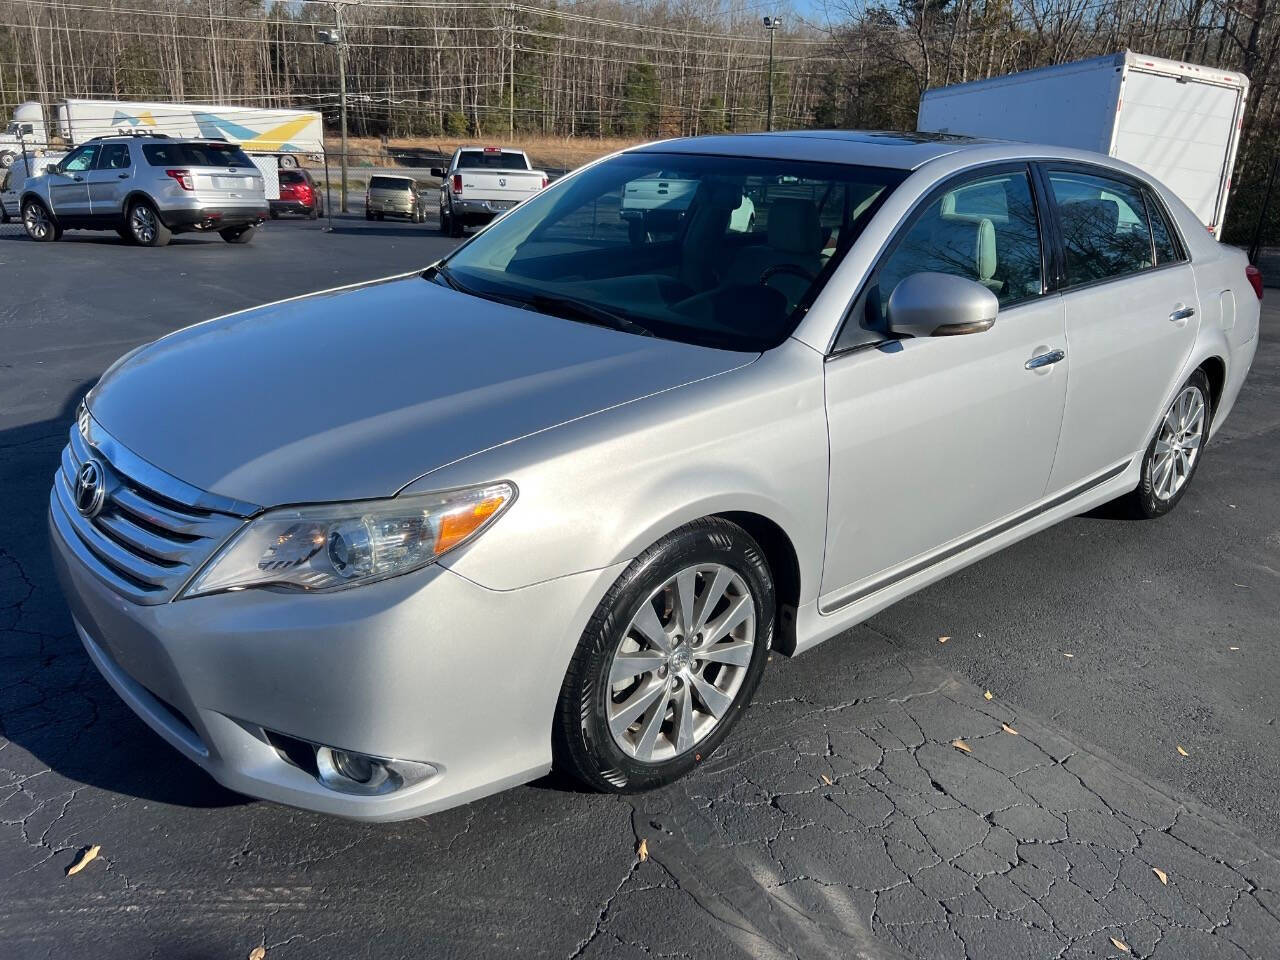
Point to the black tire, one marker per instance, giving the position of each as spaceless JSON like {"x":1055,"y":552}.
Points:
{"x":582,"y":741}
{"x":145,"y":226}
{"x":1145,"y":501}
{"x":239,"y":234}
{"x":444,"y":221}
{"x":275,"y":214}
{"x":39,"y":222}
{"x":6,"y":159}
{"x":288,"y":162}
{"x":123,"y":233}
{"x":314,"y":212}
{"x":368,"y":214}
{"x":456,"y":228}
{"x":381,"y":217}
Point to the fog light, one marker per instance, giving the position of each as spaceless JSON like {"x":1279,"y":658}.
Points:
{"x":349,"y":772}
{"x":353,"y":772}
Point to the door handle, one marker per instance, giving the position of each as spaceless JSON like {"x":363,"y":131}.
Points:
{"x":1182,"y":313}
{"x":78,"y":179}
{"x":122,"y":176}
{"x":1046,"y":359}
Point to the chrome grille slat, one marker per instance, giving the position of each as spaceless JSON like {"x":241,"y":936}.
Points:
{"x":153,"y":531}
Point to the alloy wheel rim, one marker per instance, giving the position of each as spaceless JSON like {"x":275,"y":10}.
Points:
{"x":681,"y":662}
{"x":36,"y":222}
{"x":143,"y":222}
{"x":1178,"y":443}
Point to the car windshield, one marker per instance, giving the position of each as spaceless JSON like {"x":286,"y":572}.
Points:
{"x":493,"y":159}
{"x":720,"y":251}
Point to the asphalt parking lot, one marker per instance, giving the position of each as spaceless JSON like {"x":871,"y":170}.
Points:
{"x":838,"y":820}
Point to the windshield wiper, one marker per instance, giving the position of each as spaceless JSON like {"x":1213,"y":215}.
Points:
{"x":568,"y":308}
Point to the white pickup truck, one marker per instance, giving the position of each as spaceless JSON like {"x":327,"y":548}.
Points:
{"x":481,"y":183}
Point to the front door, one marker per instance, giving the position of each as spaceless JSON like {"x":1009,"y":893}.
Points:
{"x":934,"y":438}
{"x":109,"y":180}
{"x":1132,"y":318}
{"x":69,"y":185}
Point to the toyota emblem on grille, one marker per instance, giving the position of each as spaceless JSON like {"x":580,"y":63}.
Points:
{"x":502,"y":181}
{"x":91,"y":489}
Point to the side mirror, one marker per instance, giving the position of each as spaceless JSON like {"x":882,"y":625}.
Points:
{"x":941,"y":305}
{"x":437,"y":172}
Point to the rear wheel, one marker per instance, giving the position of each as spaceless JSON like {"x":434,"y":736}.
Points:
{"x":1174,"y":453}
{"x":40,"y":226}
{"x":124,"y":234}
{"x":288,"y":162}
{"x":314,"y":212}
{"x":238,"y":234}
{"x":669,"y":661}
{"x":145,"y":225}
{"x":6,"y":159}
{"x":368,"y":214}
{"x":456,"y":229}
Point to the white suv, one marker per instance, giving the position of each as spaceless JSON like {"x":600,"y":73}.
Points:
{"x":147,"y":188}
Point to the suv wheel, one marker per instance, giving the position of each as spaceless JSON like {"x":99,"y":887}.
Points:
{"x":40,"y":226}
{"x":669,"y":660}
{"x":125,"y":235}
{"x":145,"y":225}
{"x":6,"y":159}
{"x":239,"y":234}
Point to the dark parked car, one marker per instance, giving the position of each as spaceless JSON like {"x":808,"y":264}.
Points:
{"x":298,"y":194}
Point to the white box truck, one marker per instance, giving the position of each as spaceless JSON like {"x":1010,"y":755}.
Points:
{"x":286,"y":133}
{"x":1177,"y":121}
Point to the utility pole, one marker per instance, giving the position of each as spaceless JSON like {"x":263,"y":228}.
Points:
{"x":336,"y":38}
{"x":771,"y":24}
{"x":511,"y":107}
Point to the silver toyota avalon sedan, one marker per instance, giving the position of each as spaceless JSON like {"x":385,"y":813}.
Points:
{"x":382,"y":550}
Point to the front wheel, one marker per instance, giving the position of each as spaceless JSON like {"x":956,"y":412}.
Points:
{"x":40,"y":226}
{"x":238,"y":234}
{"x":1174,"y":452}
{"x":669,"y":660}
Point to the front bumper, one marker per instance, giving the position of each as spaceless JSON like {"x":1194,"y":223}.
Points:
{"x":428,"y":667}
{"x":214,"y":217}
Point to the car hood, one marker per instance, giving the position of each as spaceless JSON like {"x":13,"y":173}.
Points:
{"x":352,"y":394}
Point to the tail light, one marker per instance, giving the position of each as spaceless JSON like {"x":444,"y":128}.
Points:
{"x":184,"y":178}
{"x":1254,"y":276}
{"x":456,"y":186}
{"x":545,"y":181}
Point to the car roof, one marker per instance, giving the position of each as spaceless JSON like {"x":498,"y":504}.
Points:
{"x":873,"y":148}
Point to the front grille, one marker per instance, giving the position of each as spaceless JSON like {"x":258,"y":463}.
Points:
{"x":153,"y":531}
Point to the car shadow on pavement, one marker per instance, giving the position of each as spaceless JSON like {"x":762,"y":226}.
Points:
{"x":68,"y":722}
{"x":389,"y":230}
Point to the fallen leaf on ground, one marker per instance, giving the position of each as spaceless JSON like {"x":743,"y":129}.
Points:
{"x":961,"y":745}
{"x":85,"y":858}
{"x":1120,"y":945}
{"x":827,"y":780}
{"x":1164,"y":877}
{"x":1069,"y":656}
{"x":987,"y":696}
{"x":1182,"y":751}
{"x":943,"y":639}
{"x":1008,"y":729}
{"x":642,"y":851}
{"x":257,"y":953}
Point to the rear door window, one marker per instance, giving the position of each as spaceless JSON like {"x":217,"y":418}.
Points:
{"x":1105,"y":232}
{"x":195,"y":155}
{"x":1162,"y":236}
{"x":389,"y":183}
{"x":115,"y":156}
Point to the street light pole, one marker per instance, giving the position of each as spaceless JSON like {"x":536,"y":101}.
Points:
{"x":335,"y":38}
{"x":771,"y":24}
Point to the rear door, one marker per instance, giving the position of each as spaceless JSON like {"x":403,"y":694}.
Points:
{"x":1180,"y":131}
{"x":110,"y":179}
{"x":69,"y":185}
{"x":1132,"y":314}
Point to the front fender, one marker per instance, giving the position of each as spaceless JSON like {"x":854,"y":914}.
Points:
{"x":598,"y":491}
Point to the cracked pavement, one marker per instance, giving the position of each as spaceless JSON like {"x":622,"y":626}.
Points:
{"x":838,"y":820}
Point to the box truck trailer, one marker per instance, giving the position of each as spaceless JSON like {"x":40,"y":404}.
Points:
{"x":285,"y":133}
{"x":1177,"y":121}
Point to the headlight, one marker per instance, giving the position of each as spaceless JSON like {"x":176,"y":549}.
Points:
{"x":340,"y":545}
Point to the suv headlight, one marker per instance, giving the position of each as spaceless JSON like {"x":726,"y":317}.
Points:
{"x":337,"y":545}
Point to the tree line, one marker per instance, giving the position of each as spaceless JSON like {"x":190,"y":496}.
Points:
{"x":616,"y":67}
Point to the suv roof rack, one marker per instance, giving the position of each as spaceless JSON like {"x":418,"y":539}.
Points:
{"x":132,"y":133}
